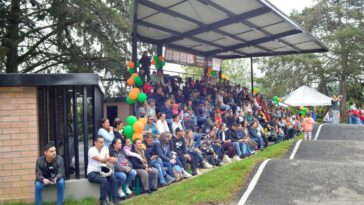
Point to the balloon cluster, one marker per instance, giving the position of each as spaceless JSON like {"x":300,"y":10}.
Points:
{"x":255,"y":91}
{"x":131,"y":66}
{"x":158,"y":62}
{"x":134,"y":128}
{"x":276,"y":100}
{"x":136,"y":95}
{"x":303,"y":110}
{"x":135,"y":79}
{"x":211,"y":72}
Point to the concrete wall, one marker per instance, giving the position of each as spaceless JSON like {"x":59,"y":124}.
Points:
{"x":18,"y":143}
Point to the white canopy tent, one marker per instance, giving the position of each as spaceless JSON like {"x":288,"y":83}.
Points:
{"x":306,"y":96}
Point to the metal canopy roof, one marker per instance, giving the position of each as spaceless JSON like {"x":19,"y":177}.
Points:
{"x":222,"y":28}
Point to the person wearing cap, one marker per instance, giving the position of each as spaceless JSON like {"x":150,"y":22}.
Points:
{"x":151,"y":127}
{"x":179,"y":146}
{"x":96,"y":155}
{"x":49,"y":171}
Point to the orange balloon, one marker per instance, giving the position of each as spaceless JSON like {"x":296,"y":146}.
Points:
{"x":143,"y":120}
{"x":137,"y":136}
{"x":161,"y":58}
{"x":138,"y":127}
{"x":134,"y":75}
{"x":153,"y":62}
{"x":133,"y":95}
{"x":131,"y":64}
{"x":130,"y":81}
{"x":136,"y":90}
{"x":209,"y":69}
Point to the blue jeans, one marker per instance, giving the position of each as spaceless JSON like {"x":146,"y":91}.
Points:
{"x":107,"y":184}
{"x":237,"y":148}
{"x":245,"y":148}
{"x":158,"y":164}
{"x":197,"y":139}
{"x":169,"y":168}
{"x":259,"y":141}
{"x":278,"y":138}
{"x":39,"y":191}
{"x":126,"y":178}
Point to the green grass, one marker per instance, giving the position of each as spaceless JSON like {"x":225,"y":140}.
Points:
{"x":218,"y":185}
{"x":86,"y":201}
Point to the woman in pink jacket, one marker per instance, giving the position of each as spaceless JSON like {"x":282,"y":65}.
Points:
{"x":307,"y":126}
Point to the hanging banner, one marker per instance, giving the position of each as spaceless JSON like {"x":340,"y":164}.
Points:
{"x":183,"y":58}
{"x":216,"y":64}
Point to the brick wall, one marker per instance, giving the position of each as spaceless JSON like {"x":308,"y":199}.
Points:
{"x":124,"y":110}
{"x":18,"y":143}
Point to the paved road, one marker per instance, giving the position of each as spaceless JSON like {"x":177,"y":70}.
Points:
{"x":327,"y":171}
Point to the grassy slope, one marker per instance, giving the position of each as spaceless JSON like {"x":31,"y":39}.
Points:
{"x":218,"y":185}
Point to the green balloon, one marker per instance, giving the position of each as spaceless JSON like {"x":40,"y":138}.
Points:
{"x":305,"y":109}
{"x":137,"y":64}
{"x":142,"y":97}
{"x":275,"y":98}
{"x":130,"y":120}
{"x":129,"y":101}
{"x":155,"y":58}
{"x":131,"y":71}
{"x":213,"y":73}
{"x":138,"y":81}
{"x":128,"y":131}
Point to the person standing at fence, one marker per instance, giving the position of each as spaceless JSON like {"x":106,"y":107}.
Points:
{"x":335,"y":108}
{"x":49,"y":171}
{"x":307,"y":126}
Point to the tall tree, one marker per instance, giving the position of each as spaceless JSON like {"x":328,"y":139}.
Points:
{"x":340,"y":25}
{"x":65,"y":36}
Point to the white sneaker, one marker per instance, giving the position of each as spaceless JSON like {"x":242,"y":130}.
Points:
{"x":128,"y":191}
{"x":207,"y":165}
{"x":186,"y":174}
{"x":121,"y":193}
{"x":236,"y":158}
{"x":198,"y":172}
{"x":226,"y":159}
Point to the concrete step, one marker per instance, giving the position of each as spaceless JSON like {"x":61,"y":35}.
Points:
{"x":309,"y":182}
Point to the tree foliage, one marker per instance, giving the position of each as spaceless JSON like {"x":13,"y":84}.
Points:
{"x":65,"y":36}
{"x":340,"y":26}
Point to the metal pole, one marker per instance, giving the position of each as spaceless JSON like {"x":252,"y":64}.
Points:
{"x":75,"y":133}
{"x":65,"y":134}
{"x":134,"y":34}
{"x":85,"y":128}
{"x":251,"y":74}
{"x":54,"y":118}
{"x":205,"y":66}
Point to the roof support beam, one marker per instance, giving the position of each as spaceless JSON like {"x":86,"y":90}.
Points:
{"x":254,"y":42}
{"x":147,"y":24}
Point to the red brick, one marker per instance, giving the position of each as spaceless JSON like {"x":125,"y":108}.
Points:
{"x":11,"y":130}
{"x":11,"y":119}
{"x":5,"y":161}
{"x":5,"y":173}
{"x":11,"y":166}
{"x":21,"y":160}
{"x":29,"y":165}
{"x":29,"y":142}
{"x":6,"y":95}
{"x":11,"y":142}
{"x":16,"y":89}
{"x":29,"y":130}
{"x":28,"y":106}
{"x":12,"y":154}
{"x":10,"y":107}
{"x":22,"y":184}
{"x":19,"y":124}
{"x":23,"y":148}
{"x":12,"y":179}
{"x":4,"y":124}
{"x":4,"y":113}
{"x":20,"y":172}
{"x":5,"y":148}
{"x":19,"y":136}
{"x":33,"y":124}
{"x":27,"y":118}
{"x":29,"y":153}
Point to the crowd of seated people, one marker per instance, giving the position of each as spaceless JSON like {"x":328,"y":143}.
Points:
{"x":192,"y":126}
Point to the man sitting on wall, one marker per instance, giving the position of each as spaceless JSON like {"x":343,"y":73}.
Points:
{"x":49,"y":171}
{"x":96,"y":155}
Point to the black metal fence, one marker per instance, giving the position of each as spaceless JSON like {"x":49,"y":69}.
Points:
{"x":69,"y":116}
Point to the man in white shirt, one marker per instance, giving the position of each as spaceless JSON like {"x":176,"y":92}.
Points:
{"x":96,"y":155}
